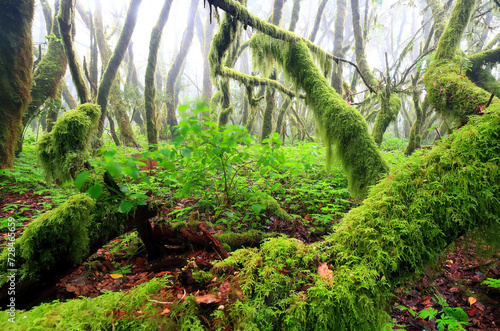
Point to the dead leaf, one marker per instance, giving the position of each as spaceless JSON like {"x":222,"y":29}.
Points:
{"x":208,"y":298}
{"x":165,"y":311}
{"x":324,"y":272}
{"x":116,"y":276}
{"x":71,"y":288}
{"x":472,"y":300}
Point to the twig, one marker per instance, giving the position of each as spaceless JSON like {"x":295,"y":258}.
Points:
{"x":491,"y":98}
{"x":161,"y":302}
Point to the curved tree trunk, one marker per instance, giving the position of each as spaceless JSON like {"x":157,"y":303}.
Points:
{"x":317,"y":20}
{"x":16,"y":63}
{"x":66,"y":21}
{"x":173,"y":73}
{"x":149,"y":85}
{"x":114,"y":62}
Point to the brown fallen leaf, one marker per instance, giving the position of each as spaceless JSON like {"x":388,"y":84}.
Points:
{"x":207,"y":298}
{"x":324,"y":272}
{"x":71,"y":288}
{"x":165,"y":311}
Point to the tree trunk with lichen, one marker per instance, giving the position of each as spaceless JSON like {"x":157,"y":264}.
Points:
{"x":16,"y":62}
{"x":171,"y":118}
{"x":114,"y":94}
{"x":66,"y":22}
{"x":149,"y":85}
{"x":47,"y":77}
{"x":112,"y":68}
{"x":415,"y":136}
{"x":338,"y":44}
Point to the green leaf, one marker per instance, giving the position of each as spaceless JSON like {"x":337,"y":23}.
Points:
{"x":146,"y":180}
{"x":256,"y":207}
{"x":187,"y":152}
{"x":95,"y":191}
{"x":80,"y":179}
{"x":183,"y":108}
{"x":177,"y":140}
{"x":114,"y":169}
{"x":125,"y":207}
{"x":167,"y":165}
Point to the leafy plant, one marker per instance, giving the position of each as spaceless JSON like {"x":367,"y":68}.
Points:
{"x":446,"y":319}
{"x":491,"y":282}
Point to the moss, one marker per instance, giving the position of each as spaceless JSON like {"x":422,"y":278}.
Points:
{"x":214,"y":105}
{"x":274,"y":209}
{"x":389,"y":110}
{"x":452,"y":35}
{"x":59,"y":235}
{"x":267,"y":120}
{"x":63,"y":151}
{"x":452,"y":93}
{"x":224,"y":116}
{"x":235,"y":241}
{"x":340,"y":125}
{"x":48,"y":75}
{"x":415,"y":135}
{"x":16,"y":62}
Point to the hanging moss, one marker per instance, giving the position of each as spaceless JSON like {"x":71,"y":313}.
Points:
{"x":16,"y":62}
{"x":57,"y":235}
{"x":341,"y":125}
{"x":389,"y":110}
{"x":63,"y":151}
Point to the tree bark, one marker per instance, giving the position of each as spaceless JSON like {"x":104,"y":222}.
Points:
{"x":149,"y":85}
{"x":114,"y":62}
{"x":173,"y":73}
{"x":66,"y":21}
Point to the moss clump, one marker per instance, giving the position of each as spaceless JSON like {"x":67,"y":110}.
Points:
{"x":389,"y":109}
{"x":63,"y":151}
{"x":274,"y":209}
{"x":250,"y":238}
{"x":341,"y":125}
{"x":57,"y":235}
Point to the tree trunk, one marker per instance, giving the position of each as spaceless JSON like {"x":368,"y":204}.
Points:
{"x":338,"y":45}
{"x":114,"y":62}
{"x":317,"y":20}
{"x":173,"y":73}
{"x":16,"y":63}
{"x":66,"y":21}
{"x":149,"y":86}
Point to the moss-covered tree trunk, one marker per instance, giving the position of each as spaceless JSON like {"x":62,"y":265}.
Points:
{"x":68,"y":97}
{"x":415,"y":135}
{"x":114,"y":62}
{"x":267,"y":120}
{"x":149,"y":85}
{"x":171,"y":118}
{"x":47,"y":77}
{"x":16,"y":62}
{"x":66,"y":22}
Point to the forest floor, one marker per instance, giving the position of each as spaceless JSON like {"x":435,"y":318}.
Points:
{"x":122,"y":263}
